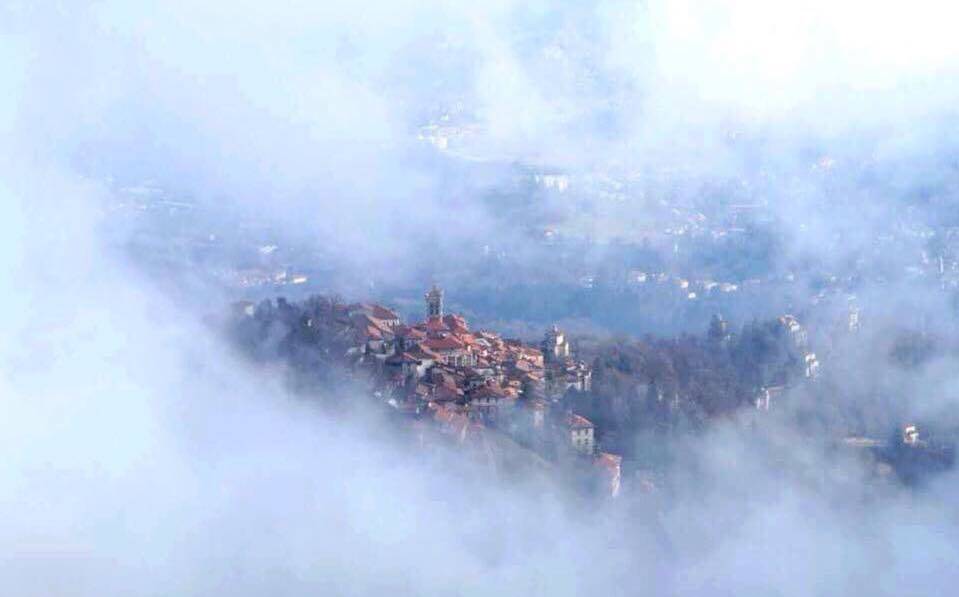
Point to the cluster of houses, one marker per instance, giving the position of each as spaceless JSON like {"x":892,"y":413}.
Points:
{"x":467,"y":381}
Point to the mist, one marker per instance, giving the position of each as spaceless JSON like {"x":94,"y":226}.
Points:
{"x":145,"y":456}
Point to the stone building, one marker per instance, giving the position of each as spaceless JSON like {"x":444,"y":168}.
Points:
{"x":581,"y":434}
{"x":434,"y":303}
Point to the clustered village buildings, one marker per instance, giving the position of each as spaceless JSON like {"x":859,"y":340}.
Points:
{"x":486,"y":394}
{"x":464,"y":382}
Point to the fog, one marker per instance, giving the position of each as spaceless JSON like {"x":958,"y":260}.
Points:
{"x":142,"y":456}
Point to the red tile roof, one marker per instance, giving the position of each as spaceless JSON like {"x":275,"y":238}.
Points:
{"x":424,"y":354}
{"x":487,"y":391}
{"x":446,"y":393}
{"x":455,"y":322}
{"x":406,"y":331}
{"x":608,"y":461}
{"x":381,"y":312}
{"x":445,"y":344}
{"x":468,"y":339}
{"x":524,"y":366}
{"x":578,"y":422}
{"x":435,"y":324}
{"x":362,"y":320}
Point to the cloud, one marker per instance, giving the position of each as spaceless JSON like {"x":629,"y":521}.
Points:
{"x":143,"y":457}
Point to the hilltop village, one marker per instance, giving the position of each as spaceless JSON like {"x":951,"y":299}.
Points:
{"x":469,"y":387}
{"x":578,"y":413}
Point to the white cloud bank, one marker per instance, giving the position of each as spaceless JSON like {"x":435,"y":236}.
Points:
{"x":140,"y":458}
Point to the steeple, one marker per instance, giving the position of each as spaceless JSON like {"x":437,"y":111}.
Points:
{"x":434,"y":302}
{"x":555,"y":345}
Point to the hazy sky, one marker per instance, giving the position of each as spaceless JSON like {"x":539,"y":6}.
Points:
{"x":142,"y":458}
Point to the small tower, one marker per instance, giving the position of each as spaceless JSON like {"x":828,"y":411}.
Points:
{"x":555,"y":346}
{"x":434,"y":302}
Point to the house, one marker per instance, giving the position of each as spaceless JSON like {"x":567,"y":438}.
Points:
{"x":486,"y":396}
{"x":581,"y":433}
{"x":404,"y":363}
{"x":562,"y":372}
{"x":796,"y":332}
{"x":609,"y":471}
{"x":426,"y":357}
{"x":386,"y":315}
{"x":407,"y":337}
{"x":767,"y":395}
{"x":570,"y":375}
{"x":454,"y":352}
{"x":811,"y":365}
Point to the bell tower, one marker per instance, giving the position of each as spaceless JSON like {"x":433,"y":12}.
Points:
{"x":555,"y":346}
{"x":434,"y":302}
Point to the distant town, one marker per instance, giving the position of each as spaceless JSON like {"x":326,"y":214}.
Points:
{"x":612,"y":252}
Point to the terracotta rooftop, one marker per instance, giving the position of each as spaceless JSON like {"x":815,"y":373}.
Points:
{"x":435,"y":324}
{"x":364,"y":320}
{"x":468,"y":339}
{"x":447,"y":394}
{"x":406,"y":331}
{"x":422,"y":353}
{"x":455,"y":322}
{"x":487,"y":391}
{"x":447,"y":343}
{"x":381,"y":312}
{"x":578,"y":422}
{"x":524,"y":366}
{"x":608,"y":461}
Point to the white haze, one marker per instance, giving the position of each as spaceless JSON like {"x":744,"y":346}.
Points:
{"x":142,"y":458}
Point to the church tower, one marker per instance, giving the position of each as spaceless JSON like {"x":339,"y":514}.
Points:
{"x":555,"y":346}
{"x":434,"y":302}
